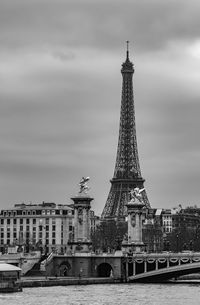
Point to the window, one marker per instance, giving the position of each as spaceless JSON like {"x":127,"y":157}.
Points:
{"x":33,"y":212}
{"x":2,"y":235}
{"x":70,"y":228}
{"x":2,"y":221}
{"x":15,"y":235}
{"x":40,"y":234}
{"x":27,"y":221}
{"x":21,"y":228}
{"x":21,"y":221}
{"x":34,"y":221}
{"x":53,"y":228}
{"x":47,"y":241}
{"x":47,"y":228}
{"x":53,"y":241}
{"x":47,"y":221}
{"x":27,"y":228}
{"x":15,"y":221}
{"x":8,"y":241}
{"x":47,"y":234}
{"x":8,"y":235}
{"x":34,"y":229}
{"x":8,"y":221}
{"x":53,"y":234}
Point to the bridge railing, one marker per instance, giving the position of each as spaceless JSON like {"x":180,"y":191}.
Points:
{"x":139,"y":263}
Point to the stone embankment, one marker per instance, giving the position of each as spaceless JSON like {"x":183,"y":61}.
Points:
{"x":53,"y":281}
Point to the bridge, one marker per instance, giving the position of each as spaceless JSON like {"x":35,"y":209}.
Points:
{"x":160,"y":267}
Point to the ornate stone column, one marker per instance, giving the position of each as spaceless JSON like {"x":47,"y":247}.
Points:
{"x":82,"y":205}
{"x":136,"y":213}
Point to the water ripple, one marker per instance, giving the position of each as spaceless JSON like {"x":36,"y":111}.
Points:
{"x":128,"y":294}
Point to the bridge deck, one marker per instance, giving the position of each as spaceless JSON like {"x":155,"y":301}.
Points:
{"x":164,"y":274}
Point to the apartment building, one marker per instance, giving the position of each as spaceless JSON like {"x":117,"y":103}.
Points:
{"x":47,"y":226}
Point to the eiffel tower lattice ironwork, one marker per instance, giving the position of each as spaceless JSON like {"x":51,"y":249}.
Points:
{"x":127,"y":173}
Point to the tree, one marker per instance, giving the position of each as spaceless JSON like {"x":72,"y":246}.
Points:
{"x":108,"y":236}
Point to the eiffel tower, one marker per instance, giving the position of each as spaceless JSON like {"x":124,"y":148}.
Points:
{"x":127,"y":173}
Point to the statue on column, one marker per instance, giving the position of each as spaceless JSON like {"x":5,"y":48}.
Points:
{"x":136,"y":195}
{"x":83,"y":185}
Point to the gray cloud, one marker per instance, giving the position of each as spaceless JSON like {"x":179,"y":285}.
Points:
{"x":60,"y":97}
{"x":150,"y":24}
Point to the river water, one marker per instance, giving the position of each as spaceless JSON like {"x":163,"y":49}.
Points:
{"x":107,"y":294}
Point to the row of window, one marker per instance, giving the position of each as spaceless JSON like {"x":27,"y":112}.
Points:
{"x":166,"y":217}
{"x":27,"y":234}
{"x":167,"y":223}
{"x":28,"y":228}
{"x":8,"y":241}
{"x":27,"y":221}
{"x":167,"y":229}
{"x":36,"y":212}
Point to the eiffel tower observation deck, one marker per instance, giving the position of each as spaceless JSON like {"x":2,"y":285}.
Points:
{"x":127,"y":173}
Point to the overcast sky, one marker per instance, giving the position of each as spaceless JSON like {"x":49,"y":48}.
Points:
{"x":60,"y":95}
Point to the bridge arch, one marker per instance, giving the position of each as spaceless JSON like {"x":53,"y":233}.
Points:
{"x":64,"y":268}
{"x":104,"y":270}
{"x":164,"y":274}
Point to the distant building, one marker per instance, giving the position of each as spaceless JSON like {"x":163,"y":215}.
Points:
{"x":94,"y":221}
{"x":178,"y":218}
{"x":167,"y":220}
{"x":45,"y":226}
{"x":153,"y":232}
{"x":172,"y":229}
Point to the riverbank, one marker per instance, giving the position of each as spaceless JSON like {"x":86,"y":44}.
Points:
{"x":28,"y":282}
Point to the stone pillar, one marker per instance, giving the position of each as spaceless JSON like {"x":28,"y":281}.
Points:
{"x":156,"y":264}
{"x":133,"y":267}
{"x":136,"y":214}
{"x":145,"y":265}
{"x":82,"y":240}
{"x":167,"y":262}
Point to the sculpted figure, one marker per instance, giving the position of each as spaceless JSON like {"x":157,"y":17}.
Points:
{"x":136,"y":194}
{"x":83,"y":185}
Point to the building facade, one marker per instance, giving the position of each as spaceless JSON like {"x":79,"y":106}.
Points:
{"x":47,"y":226}
{"x":37,"y":226}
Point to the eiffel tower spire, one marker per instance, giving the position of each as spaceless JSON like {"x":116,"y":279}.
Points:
{"x":127,"y":173}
